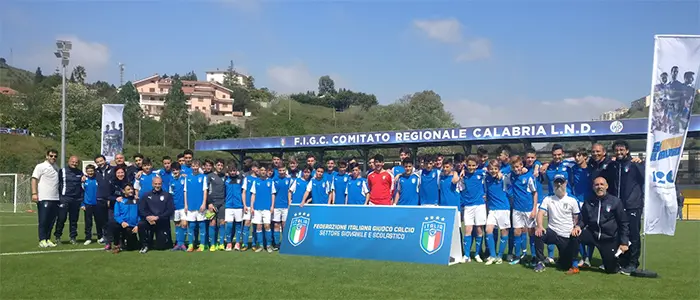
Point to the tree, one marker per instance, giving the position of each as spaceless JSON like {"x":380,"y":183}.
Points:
{"x":78,"y":75}
{"x":241,"y":97}
{"x":190,"y":76}
{"x":132,"y":111}
{"x":174,"y":114}
{"x":250,"y":82}
{"x":224,"y":130}
{"x":424,"y":110}
{"x":326,"y":86}
{"x":3,"y":62}
{"x":38,"y":76}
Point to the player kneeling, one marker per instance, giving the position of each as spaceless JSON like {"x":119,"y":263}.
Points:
{"x":125,"y":224}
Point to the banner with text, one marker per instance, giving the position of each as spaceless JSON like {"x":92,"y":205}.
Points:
{"x":673,"y":90}
{"x":112,"y":141}
{"x":416,"y":234}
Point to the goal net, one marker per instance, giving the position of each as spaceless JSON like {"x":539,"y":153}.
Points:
{"x":16,"y":193}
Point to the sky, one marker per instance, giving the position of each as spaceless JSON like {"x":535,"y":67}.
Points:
{"x":493,"y":62}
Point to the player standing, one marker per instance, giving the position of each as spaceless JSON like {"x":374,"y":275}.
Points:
{"x":263,"y":203}
{"x":356,"y":191}
{"x":297,"y":188}
{"x":380,"y":183}
{"x":473,"y":199}
{"x":233,"y":207}
{"x":523,"y":191}
{"x":318,"y":190}
{"x":499,"y":211}
{"x":340,"y":182}
{"x":215,"y":203}
{"x":429,"y":187}
{"x":248,"y":183}
{"x":407,"y":187}
{"x":178,"y":188}
{"x":279,"y":215}
{"x":195,"y":205}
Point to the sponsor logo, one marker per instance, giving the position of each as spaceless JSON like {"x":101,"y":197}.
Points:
{"x":299,"y":228}
{"x":616,"y":127}
{"x":432,"y":234}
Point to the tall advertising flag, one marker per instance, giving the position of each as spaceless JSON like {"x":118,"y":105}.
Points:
{"x":673,"y":92}
{"x":112,"y":141}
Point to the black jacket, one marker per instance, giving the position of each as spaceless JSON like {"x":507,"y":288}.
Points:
{"x":157,"y":203}
{"x":70,"y":184}
{"x":605,"y":217}
{"x":116,"y":187}
{"x":103,"y":176}
{"x":603,"y":168}
{"x":629,"y":183}
{"x":131,"y":172}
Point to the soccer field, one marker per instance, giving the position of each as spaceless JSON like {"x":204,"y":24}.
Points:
{"x":66,"y":272}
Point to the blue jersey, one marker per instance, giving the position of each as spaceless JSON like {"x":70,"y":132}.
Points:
{"x":449,"y":192}
{"x":319,"y":190}
{"x":178,"y":188}
{"x":521,"y":190}
{"x":90,"y":191}
{"x":356,"y":191}
{"x":582,"y":182}
{"x":282,"y":189}
{"x":496,"y":193}
{"x":196,"y":187}
{"x":429,"y":187}
{"x":473,"y":193}
{"x":408,"y":188}
{"x":399,"y":169}
{"x":328,"y":176}
{"x":538,"y":180}
{"x":247,"y":185}
{"x":145,"y":183}
{"x":263,"y":191}
{"x":298,"y":188}
{"x":185,"y":169}
{"x":234,"y":192}
{"x":563,"y":168}
{"x":167,"y":176}
{"x":340,"y":183}
{"x":505,"y":169}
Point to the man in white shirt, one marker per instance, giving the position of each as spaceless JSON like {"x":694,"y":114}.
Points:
{"x":45,"y":194}
{"x":562,"y":211}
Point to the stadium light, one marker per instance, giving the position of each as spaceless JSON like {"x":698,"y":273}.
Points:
{"x":63,"y":53}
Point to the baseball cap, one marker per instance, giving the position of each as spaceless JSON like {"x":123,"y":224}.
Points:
{"x":560,"y":178}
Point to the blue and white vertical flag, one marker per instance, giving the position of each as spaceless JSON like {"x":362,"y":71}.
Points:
{"x":673,"y":91}
{"x":112,"y":130}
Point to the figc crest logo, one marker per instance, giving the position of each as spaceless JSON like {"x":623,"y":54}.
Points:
{"x":299,"y":228}
{"x":432,"y":234}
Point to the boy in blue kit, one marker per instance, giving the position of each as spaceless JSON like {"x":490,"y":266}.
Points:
{"x":144,"y":183}
{"x":178,"y":188}
{"x":429,"y":192}
{"x":165,"y":173}
{"x":263,"y":203}
{"x":279,"y":215}
{"x":126,"y":219}
{"x":473,"y":199}
{"x":523,"y":191}
{"x":340,"y":182}
{"x":297,"y":188}
{"x":449,"y":185}
{"x":404,"y":154}
{"x":582,"y":183}
{"x":407,"y":185}
{"x":318,"y":190}
{"x":196,"y":205}
{"x":559,"y":166}
{"x":534,"y":166}
{"x":356,"y":191}
{"x":499,"y":211}
{"x":89,"y":204}
{"x":233,"y":207}
{"x":248,"y":183}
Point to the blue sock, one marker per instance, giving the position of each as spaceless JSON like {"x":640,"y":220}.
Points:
{"x":268,"y":237}
{"x":532,"y":246}
{"x":212,"y":235}
{"x":202,"y":232}
{"x":179,"y":236}
{"x":228,"y":229}
{"x":245,"y":232}
{"x":582,"y":250}
{"x":191,"y":226}
{"x":237,"y":231}
{"x":477,"y":248}
{"x":468,"y":245}
{"x":517,"y":246}
{"x":502,"y":246}
{"x":523,"y":243}
{"x":258,"y":238}
{"x":277,"y":237}
{"x":589,"y":251}
{"x":491,"y":244}
{"x":223,"y":233}
{"x":550,"y":251}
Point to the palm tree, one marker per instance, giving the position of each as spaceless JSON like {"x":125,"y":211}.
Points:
{"x":79,"y":74}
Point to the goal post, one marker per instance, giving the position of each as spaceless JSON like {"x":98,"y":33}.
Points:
{"x":15,"y":193}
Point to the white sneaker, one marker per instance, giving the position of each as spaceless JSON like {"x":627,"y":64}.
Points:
{"x":269,"y":249}
{"x":490,"y":260}
{"x":101,"y":240}
{"x":550,"y":260}
{"x":602,"y":267}
{"x":477,"y":258}
{"x":49,"y":243}
{"x":499,"y":261}
{"x":587,"y":262}
{"x":465,"y":259}
{"x":43,"y":244}
{"x":88,"y":242}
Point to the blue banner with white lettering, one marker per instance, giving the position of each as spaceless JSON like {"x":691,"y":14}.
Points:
{"x":392,"y":233}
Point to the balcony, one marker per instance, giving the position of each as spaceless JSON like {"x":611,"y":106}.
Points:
{"x":152,"y":102}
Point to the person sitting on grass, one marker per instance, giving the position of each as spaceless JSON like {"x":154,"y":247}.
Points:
{"x":126,"y":219}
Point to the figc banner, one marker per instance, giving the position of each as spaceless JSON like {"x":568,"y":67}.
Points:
{"x":112,"y":142}
{"x":418,"y":234}
{"x":674,"y":90}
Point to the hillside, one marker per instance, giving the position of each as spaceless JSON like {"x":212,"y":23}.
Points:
{"x":14,"y":77}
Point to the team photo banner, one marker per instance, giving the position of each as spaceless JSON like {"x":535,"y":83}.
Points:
{"x":428,"y":235}
{"x":112,"y":141}
{"x":674,"y":90}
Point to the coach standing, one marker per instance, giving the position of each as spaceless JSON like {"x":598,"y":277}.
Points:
{"x":629,"y":187}
{"x":45,"y":194}
{"x":604,"y":224}
{"x":156,"y":209}
{"x":70,"y":183}
{"x":104,"y":174}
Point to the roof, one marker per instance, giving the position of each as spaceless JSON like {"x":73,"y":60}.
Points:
{"x":7,"y":91}
{"x":147,"y":78}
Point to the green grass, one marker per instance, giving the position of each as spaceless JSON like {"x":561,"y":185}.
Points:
{"x":166,"y":275}
{"x":11,"y":76}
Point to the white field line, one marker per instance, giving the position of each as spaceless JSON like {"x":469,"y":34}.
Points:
{"x":50,"y":251}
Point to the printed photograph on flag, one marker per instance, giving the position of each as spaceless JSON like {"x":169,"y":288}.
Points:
{"x":112,"y":130}
{"x":673,"y":92}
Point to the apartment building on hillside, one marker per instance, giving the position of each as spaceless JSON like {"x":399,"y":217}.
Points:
{"x":218,"y":77}
{"x":210,"y":98}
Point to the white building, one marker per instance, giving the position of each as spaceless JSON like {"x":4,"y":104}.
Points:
{"x":219,"y":75}
{"x":614,"y":114}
